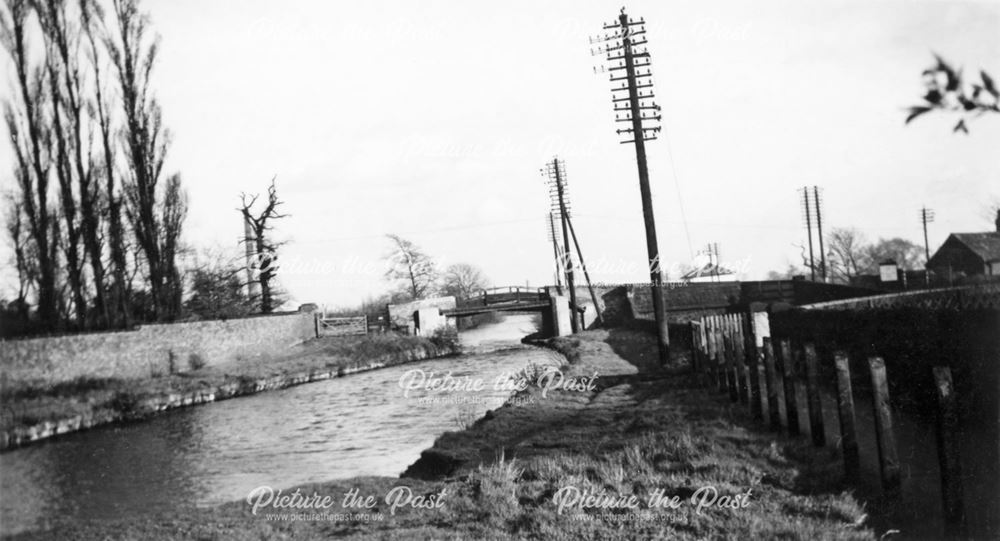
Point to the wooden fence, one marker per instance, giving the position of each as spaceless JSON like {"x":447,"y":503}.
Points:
{"x":341,"y":326}
{"x":778,"y":378}
{"x":980,"y":296}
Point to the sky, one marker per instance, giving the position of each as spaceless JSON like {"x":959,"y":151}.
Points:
{"x":431,"y":120}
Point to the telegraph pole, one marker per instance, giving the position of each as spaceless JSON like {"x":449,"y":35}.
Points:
{"x":819,"y":229}
{"x":926,"y":217}
{"x":558,"y":183}
{"x":625,"y":63}
{"x":812,"y":263}
{"x":555,"y":251}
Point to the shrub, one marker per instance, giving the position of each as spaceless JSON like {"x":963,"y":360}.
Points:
{"x":445,"y":337}
{"x":195,"y":362}
{"x":125,"y":402}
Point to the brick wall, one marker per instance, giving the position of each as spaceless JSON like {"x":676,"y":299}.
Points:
{"x":684,"y":301}
{"x":151,"y":349}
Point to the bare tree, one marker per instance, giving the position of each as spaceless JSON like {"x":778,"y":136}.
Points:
{"x":848,"y":255}
{"x":409,"y":264}
{"x":27,"y":274}
{"x":63,"y":100}
{"x":265,"y":248}
{"x":463,"y":281}
{"x":119,"y":305}
{"x":63,"y":32}
{"x":906,"y":254}
{"x":156,"y":215}
{"x":32,"y":147}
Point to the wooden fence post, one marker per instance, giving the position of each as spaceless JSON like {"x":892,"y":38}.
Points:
{"x":741,"y":359}
{"x":713,"y":348}
{"x":772,"y":384}
{"x":786,"y":358}
{"x":816,"y":427}
{"x":948,"y":453}
{"x":732,"y":371}
{"x":694,"y":347}
{"x":720,"y":332}
{"x":884,"y":435}
{"x":709,"y":351}
{"x":753,"y":366}
{"x":706,"y":364}
{"x":735,"y":340}
{"x":845,"y":412}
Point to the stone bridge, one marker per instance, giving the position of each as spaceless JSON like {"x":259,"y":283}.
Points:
{"x":555,"y":309}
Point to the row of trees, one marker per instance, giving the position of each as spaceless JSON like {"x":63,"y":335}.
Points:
{"x":851,"y":254}
{"x":94,"y":221}
{"x":416,"y":275}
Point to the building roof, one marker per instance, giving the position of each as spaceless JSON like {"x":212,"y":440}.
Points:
{"x":985,"y":245}
{"x":705,"y":271}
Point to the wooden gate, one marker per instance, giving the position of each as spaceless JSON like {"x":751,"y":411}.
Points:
{"x":341,"y":326}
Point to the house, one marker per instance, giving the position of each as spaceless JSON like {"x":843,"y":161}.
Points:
{"x":969,"y":254}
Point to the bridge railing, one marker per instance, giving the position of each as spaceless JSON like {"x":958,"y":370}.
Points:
{"x":495,"y":295}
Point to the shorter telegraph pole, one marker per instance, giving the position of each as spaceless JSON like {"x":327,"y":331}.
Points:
{"x":808,"y":213}
{"x":819,"y":231}
{"x":555,"y":251}
{"x":926,"y":217}
{"x":555,"y":170}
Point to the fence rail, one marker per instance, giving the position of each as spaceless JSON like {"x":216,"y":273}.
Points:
{"x":981,"y":296}
{"x":341,"y":326}
{"x":778,"y":378}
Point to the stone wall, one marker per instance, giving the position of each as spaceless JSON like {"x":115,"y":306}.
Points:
{"x":152,"y":349}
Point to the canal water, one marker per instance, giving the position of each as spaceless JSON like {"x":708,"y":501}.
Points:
{"x":358,"y":425}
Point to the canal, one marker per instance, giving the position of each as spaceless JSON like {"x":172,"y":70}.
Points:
{"x":359,"y":425}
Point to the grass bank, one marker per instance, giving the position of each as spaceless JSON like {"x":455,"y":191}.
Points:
{"x":32,"y":411}
{"x":638,"y":433}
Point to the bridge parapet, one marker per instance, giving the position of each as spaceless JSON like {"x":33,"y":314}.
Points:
{"x":512,"y":294}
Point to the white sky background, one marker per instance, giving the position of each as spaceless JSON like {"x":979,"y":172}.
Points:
{"x":431,"y":120}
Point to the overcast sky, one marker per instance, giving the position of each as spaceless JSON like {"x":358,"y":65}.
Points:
{"x":431,"y":120}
